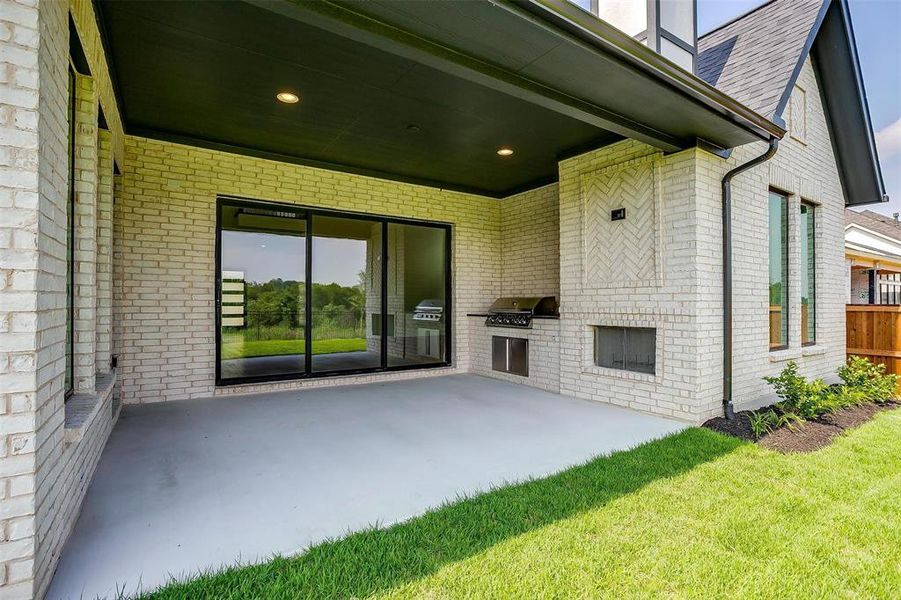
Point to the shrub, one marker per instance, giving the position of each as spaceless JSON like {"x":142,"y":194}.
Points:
{"x":762,"y":422}
{"x":843,"y":396}
{"x":765,"y":421}
{"x":802,"y":398}
{"x":790,"y":420}
{"x":869,"y":379}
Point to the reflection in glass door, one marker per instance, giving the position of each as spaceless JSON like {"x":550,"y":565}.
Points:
{"x":417,"y":294}
{"x":305,"y":292}
{"x":262,"y":292}
{"x":346,"y":315}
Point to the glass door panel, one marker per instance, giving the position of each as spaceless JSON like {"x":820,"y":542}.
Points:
{"x":417,"y":277}
{"x":346,"y":314}
{"x":262,"y":292}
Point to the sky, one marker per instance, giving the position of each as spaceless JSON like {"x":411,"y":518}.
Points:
{"x":877,"y":29}
{"x":264,"y":256}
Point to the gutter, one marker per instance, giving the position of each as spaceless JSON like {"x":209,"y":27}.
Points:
{"x":597,"y":33}
{"x":728,"y":409}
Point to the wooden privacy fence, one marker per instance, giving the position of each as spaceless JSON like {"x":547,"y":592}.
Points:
{"x":874,"y":331}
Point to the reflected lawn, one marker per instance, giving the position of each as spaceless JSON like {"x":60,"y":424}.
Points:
{"x":248,"y":349}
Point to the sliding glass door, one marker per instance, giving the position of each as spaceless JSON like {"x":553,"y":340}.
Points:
{"x":310,"y":293}
{"x":416,"y":277}
{"x":262,"y":322}
{"x":346,"y":307}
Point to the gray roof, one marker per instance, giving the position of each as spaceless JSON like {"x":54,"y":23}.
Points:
{"x":757,"y":58}
{"x":873,"y":221}
{"x":752,"y":58}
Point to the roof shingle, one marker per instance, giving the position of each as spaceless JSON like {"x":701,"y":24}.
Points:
{"x":753,"y":57}
{"x":873,"y":221}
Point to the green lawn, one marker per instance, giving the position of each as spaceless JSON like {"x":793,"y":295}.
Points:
{"x":695,"y":515}
{"x":247,"y":349}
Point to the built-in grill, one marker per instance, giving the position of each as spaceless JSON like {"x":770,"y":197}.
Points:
{"x":428,"y":310}
{"x":519,"y":312}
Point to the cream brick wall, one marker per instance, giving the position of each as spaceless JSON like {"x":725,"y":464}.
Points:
{"x":26,"y":323}
{"x":44,"y":470}
{"x":65,"y":479}
{"x":805,"y":170}
{"x":86,"y":191}
{"x":164,"y":229}
{"x":685,"y":303}
{"x":530,"y":243}
{"x":659,"y":291}
{"x":32,"y":272}
{"x":83,"y":15}
{"x":530,"y":266}
{"x":104,"y":303}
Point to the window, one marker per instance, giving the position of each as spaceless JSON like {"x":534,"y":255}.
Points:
{"x":778,"y":259}
{"x":808,"y":274}
{"x":306,"y":292}
{"x":626,"y":348}
{"x":584,"y":4}
{"x":69,"y":380}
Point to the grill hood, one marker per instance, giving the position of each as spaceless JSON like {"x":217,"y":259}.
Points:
{"x":539,"y":306}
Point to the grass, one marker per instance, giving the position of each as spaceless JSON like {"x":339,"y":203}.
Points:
{"x":695,"y":515}
{"x":247,"y":349}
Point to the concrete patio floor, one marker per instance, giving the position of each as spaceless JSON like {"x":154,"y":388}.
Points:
{"x":198,"y":484}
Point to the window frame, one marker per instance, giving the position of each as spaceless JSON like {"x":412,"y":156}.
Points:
{"x":69,"y":368}
{"x":786,"y":256}
{"x":810,"y":270}
{"x":310,"y":212}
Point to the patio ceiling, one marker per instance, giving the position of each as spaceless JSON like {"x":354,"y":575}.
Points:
{"x":421,"y":92}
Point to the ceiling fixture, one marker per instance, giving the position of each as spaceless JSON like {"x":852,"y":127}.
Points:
{"x":504,"y":151}
{"x":288,"y":97}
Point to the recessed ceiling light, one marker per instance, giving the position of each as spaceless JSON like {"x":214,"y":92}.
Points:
{"x":288,"y":97}
{"x":504,"y":151}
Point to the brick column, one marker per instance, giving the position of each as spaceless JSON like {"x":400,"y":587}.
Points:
{"x":104,"y":251}
{"x":33,"y":167}
{"x":18,"y":294}
{"x":86,"y":111}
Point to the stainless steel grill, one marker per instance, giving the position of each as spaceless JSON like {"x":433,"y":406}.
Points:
{"x":429,"y":310}
{"x":519,"y":311}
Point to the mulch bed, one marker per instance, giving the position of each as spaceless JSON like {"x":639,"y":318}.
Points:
{"x":805,"y":437}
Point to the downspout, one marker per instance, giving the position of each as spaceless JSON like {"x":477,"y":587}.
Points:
{"x":727,"y":272}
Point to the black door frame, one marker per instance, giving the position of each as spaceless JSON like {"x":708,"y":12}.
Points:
{"x":310,"y":212}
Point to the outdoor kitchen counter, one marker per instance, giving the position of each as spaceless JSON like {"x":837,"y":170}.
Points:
{"x":485,"y":315}
{"x":544,"y":350}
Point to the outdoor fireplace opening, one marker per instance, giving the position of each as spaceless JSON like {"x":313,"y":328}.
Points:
{"x":308,"y":293}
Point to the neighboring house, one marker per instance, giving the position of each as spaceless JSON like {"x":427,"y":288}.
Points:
{"x":233,"y":301}
{"x":873,"y":251}
{"x":436,"y":160}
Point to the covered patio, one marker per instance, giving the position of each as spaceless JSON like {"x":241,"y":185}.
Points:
{"x":200,"y":484}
